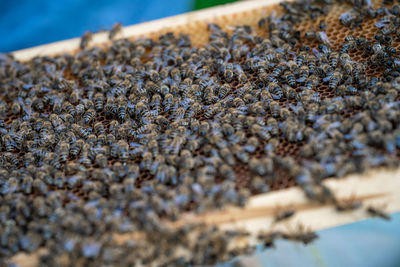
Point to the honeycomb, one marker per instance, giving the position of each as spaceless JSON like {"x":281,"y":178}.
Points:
{"x":199,"y":36}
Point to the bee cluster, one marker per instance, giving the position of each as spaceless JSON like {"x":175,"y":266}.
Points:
{"x":115,"y":140}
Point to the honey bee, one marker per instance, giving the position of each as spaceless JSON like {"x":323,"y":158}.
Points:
{"x":284,"y":113}
{"x":85,"y":39}
{"x":318,"y":193}
{"x":258,"y":108}
{"x":378,"y":212}
{"x":256,"y":166}
{"x":80,"y":130}
{"x":290,"y":79}
{"x":101,"y":160}
{"x":84,"y":158}
{"x":350,"y":19}
{"x":101,"y":140}
{"x":99,"y":128}
{"x":28,"y":160}
{"x":54,"y":161}
{"x":74,"y":97}
{"x":275,"y":108}
{"x":110,"y":107}
{"x":289,"y":92}
{"x":275,"y":91}
{"x":241,"y":76}
{"x":98,"y":101}
{"x":301,"y":58}
{"x":228,"y":72}
{"x":350,"y":45}
{"x":123,"y":151}
{"x":333,"y":59}
{"x":37,"y":104}
{"x":115,"y":30}
{"x":89,"y":116}
{"x":76,"y":147}
{"x":334,"y":80}
{"x":167,"y":103}
{"x":279,"y":69}
{"x":122,"y":112}
{"x":303,"y":74}
{"x":88,"y":104}
{"x":146,"y":161}
{"x":320,"y":36}
{"x":211,"y":111}
{"x":69,"y":108}
{"x":154,"y":76}
{"x":251,"y":144}
{"x":64,"y":152}
{"x":12,"y":159}
{"x":240,"y":153}
{"x":388,"y":29}
{"x":9,"y":143}
{"x":325,"y":49}
{"x":156,"y":102}
{"x":227,"y":172}
{"x":311,"y":82}
{"x":351,"y":90}
{"x":260,"y":131}
{"x":175,"y":74}
{"x":16,"y":108}
{"x":91,"y":140}
{"x":312,"y":113}
{"x":140,"y":109}
{"x":224,"y":90}
{"x":193,"y":110}
{"x":164,"y":90}
{"x":302,"y":235}
{"x":348,"y":204}
{"x":273,"y":126}
{"x":322,"y":25}
{"x":284,"y":215}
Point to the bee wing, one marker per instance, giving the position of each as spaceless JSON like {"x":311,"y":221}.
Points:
{"x":383,"y":22}
{"x":249,"y":148}
{"x":328,"y":77}
{"x":345,"y":15}
{"x":324,"y":37}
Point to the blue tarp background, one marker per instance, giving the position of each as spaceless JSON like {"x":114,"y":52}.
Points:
{"x":368,"y":243}
{"x":27,"y":23}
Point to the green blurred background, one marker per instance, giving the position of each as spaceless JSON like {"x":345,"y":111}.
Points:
{"x":199,"y":4}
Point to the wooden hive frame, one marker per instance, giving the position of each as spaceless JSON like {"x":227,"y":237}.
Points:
{"x":377,"y":187}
